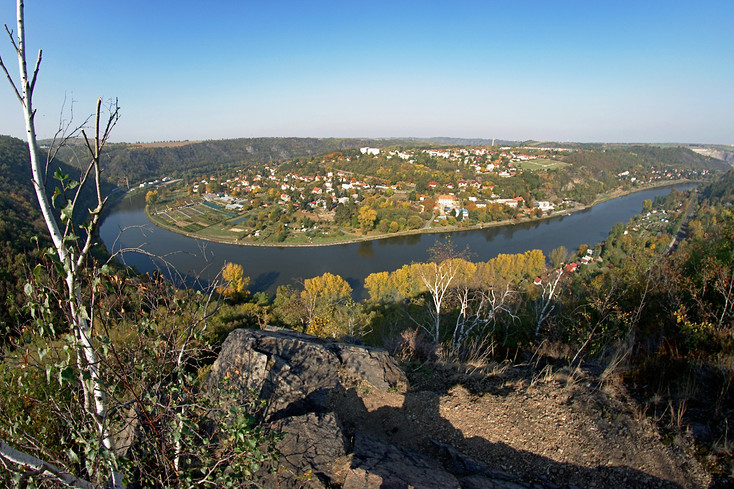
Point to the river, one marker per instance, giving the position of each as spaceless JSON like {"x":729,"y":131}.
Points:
{"x":195,"y":261}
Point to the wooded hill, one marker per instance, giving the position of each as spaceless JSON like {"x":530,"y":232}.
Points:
{"x":138,"y":162}
{"x":145,"y":162}
{"x":23,"y":234}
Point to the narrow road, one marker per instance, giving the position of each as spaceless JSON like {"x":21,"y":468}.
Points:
{"x":683,"y":229}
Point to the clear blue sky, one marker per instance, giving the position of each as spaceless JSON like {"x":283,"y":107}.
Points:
{"x":608,"y":71}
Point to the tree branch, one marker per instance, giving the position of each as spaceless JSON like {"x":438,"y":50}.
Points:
{"x":33,"y":466}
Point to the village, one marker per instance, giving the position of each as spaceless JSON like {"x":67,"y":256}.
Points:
{"x":369,"y":192}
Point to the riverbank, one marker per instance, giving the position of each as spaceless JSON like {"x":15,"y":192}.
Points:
{"x":613,"y":194}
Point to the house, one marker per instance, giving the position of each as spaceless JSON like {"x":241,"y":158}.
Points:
{"x":543,"y":205}
{"x":446,"y":201}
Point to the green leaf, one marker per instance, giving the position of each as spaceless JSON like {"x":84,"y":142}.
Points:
{"x":57,"y":192}
{"x":37,"y":271}
{"x":67,"y":212}
{"x":59,"y":175}
{"x":73,"y":456}
{"x":66,"y":374}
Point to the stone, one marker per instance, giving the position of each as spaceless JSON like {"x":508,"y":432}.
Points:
{"x":373,"y":365}
{"x":376,"y":464}
{"x":311,"y":446}
{"x":456,"y":462}
{"x":296,"y":372}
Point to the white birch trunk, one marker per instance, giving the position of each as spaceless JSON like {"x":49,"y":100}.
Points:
{"x":88,"y":360}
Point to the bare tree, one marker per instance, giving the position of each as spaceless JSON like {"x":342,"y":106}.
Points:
{"x":71,"y":253}
{"x":480,"y":307}
{"x":437,"y":276}
{"x":546,"y":302}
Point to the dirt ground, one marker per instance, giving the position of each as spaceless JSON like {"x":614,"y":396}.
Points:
{"x":550,"y":428}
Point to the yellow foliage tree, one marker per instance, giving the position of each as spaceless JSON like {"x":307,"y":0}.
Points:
{"x":151,"y":197}
{"x":324,"y":291}
{"x":237,"y":282}
{"x":379,"y":287}
{"x":367,"y":217}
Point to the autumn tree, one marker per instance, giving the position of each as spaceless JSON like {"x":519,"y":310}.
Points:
{"x":235,"y":281}
{"x":320,"y":293}
{"x":367,"y":218}
{"x":151,"y":197}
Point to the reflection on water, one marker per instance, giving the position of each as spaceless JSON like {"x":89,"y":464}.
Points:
{"x":127,"y":227}
{"x":365,"y":249}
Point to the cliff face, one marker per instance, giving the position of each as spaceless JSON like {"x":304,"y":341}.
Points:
{"x":726,"y":155}
{"x":349,"y":419}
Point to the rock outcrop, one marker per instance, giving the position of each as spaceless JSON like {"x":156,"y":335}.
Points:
{"x":304,"y":379}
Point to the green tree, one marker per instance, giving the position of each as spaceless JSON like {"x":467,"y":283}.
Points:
{"x":558,"y":256}
{"x":646,"y":205}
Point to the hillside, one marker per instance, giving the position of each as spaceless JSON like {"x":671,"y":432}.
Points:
{"x":143,"y":162}
{"x":136,"y":162}
{"x":20,"y":222}
{"x":627,"y":158}
{"x":22,"y":230}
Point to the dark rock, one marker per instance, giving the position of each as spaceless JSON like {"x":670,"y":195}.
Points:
{"x":239,"y":365}
{"x":376,"y":464}
{"x":478,"y":481}
{"x":310,"y":449}
{"x":373,"y":365}
{"x":454,"y":461}
{"x":295,"y":372}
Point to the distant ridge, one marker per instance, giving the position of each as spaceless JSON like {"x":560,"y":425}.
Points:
{"x":135,"y":162}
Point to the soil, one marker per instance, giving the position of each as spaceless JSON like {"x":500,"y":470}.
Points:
{"x":547,"y":428}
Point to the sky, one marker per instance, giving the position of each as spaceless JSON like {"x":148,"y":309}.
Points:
{"x":587,"y":71}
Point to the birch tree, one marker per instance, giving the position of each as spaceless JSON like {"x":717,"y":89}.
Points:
{"x":132,"y":403}
{"x":482,"y":297}
{"x":437,"y":277}
{"x":70,"y":253}
{"x":546,"y":302}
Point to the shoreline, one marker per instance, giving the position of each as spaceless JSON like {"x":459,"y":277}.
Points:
{"x":607,"y":196}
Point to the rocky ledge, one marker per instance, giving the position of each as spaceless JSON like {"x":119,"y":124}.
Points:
{"x":348,"y":419}
{"x":306,"y":382}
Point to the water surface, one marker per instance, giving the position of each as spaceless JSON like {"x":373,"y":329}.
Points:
{"x":128,"y":227}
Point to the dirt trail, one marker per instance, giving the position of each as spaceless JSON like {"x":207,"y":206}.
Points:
{"x":554,"y":429}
